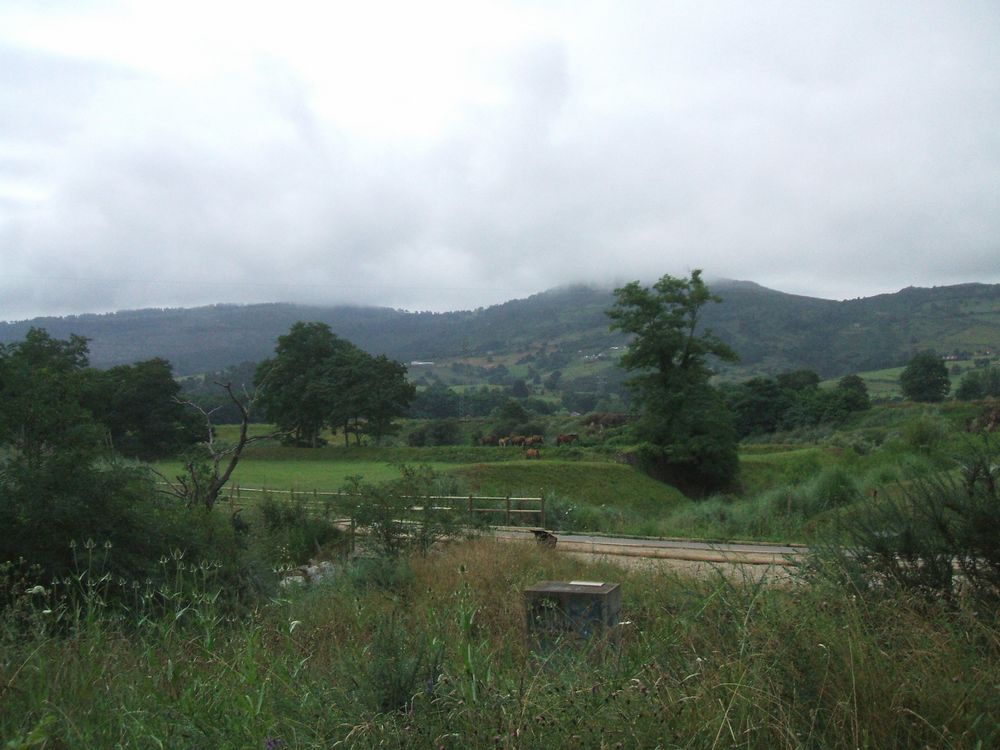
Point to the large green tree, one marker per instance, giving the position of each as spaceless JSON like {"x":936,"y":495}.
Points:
{"x":386,"y":396}
{"x":294,"y":388}
{"x":41,"y":415}
{"x":140,"y":407}
{"x":685,"y":423}
{"x":978,"y":384}
{"x":925,"y":378}
{"x":317,"y":380}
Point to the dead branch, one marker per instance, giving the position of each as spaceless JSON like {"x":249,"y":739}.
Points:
{"x":193,"y":486}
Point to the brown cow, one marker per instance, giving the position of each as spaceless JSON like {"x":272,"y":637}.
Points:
{"x":517,"y":439}
{"x":534,"y":440}
{"x":566,"y":439}
{"x":488,"y":440}
{"x":533,"y":453}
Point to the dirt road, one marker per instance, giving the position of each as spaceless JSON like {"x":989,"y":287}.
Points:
{"x":695,"y":557}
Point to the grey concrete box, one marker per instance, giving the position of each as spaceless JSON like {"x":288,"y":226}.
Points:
{"x":580,"y":608}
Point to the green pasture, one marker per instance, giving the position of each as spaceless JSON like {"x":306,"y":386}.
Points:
{"x":883,"y":385}
{"x":302,"y":474}
{"x":760,"y":471}
{"x":593,"y":482}
{"x":791,"y":486}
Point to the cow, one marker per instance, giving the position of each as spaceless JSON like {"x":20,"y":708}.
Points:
{"x":503,"y":442}
{"x":566,"y":439}
{"x":545,"y":538}
{"x":533,"y":453}
{"x":488,"y":440}
{"x":517,"y":439}
{"x":533,"y":440}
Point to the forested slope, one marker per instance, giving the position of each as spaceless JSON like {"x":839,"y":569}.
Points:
{"x":772,"y":331}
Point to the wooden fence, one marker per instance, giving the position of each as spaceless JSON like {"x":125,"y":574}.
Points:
{"x":509,"y":507}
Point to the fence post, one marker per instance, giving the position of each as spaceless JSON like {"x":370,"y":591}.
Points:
{"x":508,"y":509}
{"x":541,"y":498}
{"x":470,"y":509}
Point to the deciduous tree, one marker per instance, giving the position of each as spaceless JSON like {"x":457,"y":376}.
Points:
{"x":138,"y":405}
{"x":925,"y":378}
{"x":316,"y":379}
{"x":294,"y":388}
{"x":688,"y":429}
{"x":386,"y":395}
{"x":41,"y":415}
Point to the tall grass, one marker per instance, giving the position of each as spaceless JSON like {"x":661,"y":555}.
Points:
{"x":442,"y":660}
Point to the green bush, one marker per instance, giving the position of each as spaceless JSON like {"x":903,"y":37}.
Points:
{"x":46,"y":510}
{"x":389,"y":573}
{"x":291,"y":534}
{"x":401,"y":516}
{"x":926,"y":434}
{"x":932,"y":527}
{"x":833,"y":488}
{"x":436,"y":432}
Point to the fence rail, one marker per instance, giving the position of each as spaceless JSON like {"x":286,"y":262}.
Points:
{"x":472,"y":504}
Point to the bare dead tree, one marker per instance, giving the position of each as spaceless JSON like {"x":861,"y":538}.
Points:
{"x":200,"y":485}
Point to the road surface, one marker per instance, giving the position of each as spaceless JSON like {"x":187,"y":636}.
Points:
{"x":735,"y":553}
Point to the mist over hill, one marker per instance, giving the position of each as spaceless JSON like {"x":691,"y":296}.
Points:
{"x":772,"y":331}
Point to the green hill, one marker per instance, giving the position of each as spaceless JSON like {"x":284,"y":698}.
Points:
{"x":562,"y":329}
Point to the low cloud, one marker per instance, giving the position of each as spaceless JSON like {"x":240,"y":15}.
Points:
{"x":837,"y":151}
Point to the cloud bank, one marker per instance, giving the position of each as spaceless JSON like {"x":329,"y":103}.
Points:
{"x":452,"y":155}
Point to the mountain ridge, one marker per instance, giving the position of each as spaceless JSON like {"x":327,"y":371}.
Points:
{"x":773,"y":331}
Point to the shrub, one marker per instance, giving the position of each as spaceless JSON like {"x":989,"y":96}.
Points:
{"x":437,"y":432}
{"x":290,"y":534}
{"x":917,"y":537}
{"x":925,"y":434}
{"x":401,"y":516}
{"x":833,"y":488}
{"x":46,"y":509}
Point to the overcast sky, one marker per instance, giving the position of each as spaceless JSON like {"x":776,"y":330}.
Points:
{"x":446,"y":155}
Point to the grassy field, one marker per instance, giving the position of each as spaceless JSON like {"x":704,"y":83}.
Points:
{"x":438,"y":656}
{"x":792,"y":487}
{"x":304,"y":474}
{"x":883,"y":385}
{"x":433,"y":650}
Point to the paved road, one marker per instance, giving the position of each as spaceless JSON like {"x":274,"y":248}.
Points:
{"x":745,"y":553}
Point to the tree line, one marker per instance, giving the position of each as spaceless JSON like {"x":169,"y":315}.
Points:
{"x":69,"y":433}
{"x":64,"y":427}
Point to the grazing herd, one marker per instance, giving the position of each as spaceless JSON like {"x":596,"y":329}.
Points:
{"x":594,"y":425}
{"x":530,"y":443}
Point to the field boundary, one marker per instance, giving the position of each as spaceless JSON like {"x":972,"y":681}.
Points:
{"x":322,"y":500}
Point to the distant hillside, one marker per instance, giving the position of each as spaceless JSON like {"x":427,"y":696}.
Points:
{"x":771,"y":330}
